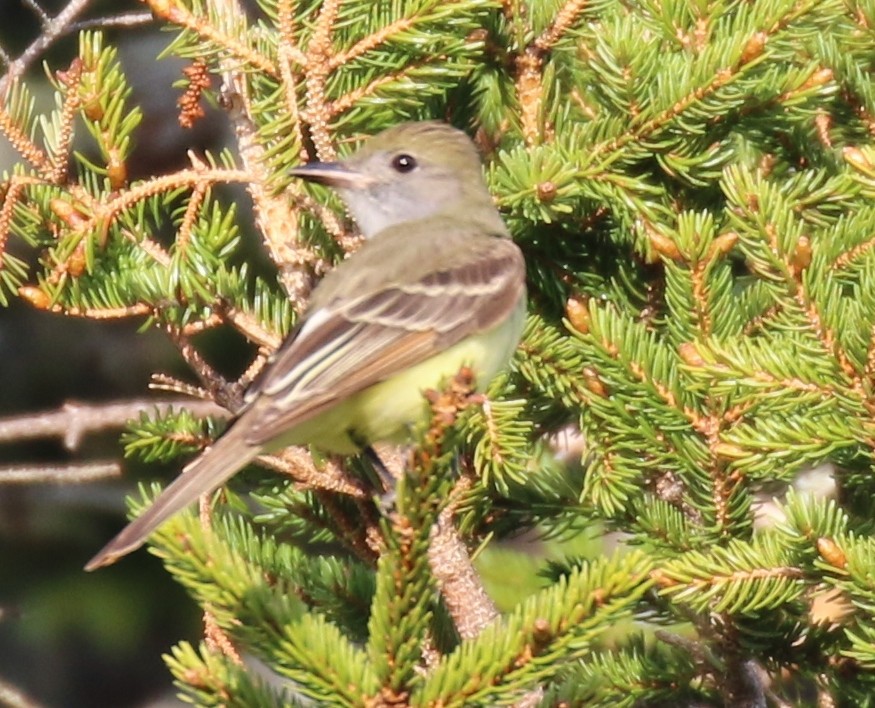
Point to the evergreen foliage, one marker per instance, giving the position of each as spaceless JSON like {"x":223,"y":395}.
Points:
{"x":692,"y":184}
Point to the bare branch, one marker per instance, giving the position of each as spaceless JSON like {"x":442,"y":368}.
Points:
{"x":130,"y":19}
{"x":59,"y":474}
{"x":14,"y":697}
{"x":73,"y":420}
{"x":38,"y":11}
{"x":52,"y":29}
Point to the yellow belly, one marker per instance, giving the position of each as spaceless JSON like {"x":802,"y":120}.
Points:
{"x":387,"y":410}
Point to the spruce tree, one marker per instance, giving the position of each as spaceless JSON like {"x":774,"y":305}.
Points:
{"x":692,"y":185}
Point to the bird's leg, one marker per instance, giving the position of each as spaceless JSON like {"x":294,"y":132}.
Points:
{"x":386,"y":478}
{"x":386,"y":501}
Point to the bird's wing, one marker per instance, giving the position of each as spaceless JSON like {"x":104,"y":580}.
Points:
{"x":351,"y":344}
{"x":344,"y":346}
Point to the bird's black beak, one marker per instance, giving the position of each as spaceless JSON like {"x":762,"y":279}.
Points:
{"x":332,"y":174}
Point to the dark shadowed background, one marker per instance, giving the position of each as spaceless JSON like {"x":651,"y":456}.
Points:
{"x":70,"y":638}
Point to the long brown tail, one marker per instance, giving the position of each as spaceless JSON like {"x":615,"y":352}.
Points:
{"x":203,"y":475}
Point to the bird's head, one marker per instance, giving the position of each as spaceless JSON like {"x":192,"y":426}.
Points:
{"x":409,"y":172}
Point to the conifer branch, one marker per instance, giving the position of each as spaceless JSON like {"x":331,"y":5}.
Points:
{"x":286,"y":25}
{"x":100,"y":215}
{"x":12,"y":192}
{"x":348,"y":240}
{"x":826,"y":336}
{"x":177,"y":14}
{"x":372,"y":41}
{"x":561,"y":24}
{"x":278,"y":224}
{"x":700,"y":294}
{"x":218,"y":641}
{"x":192,"y":210}
{"x":362,"y":534}
{"x":23,"y":145}
{"x":330,"y":482}
{"x":853,"y":255}
{"x":525,"y":642}
{"x":289,"y":55}
{"x":641,"y":131}
{"x":672,"y":175}
{"x":342,"y":104}
{"x":215,"y":638}
{"x":529,"y":66}
{"x":318,"y":53}
{"x":59,"y":159}
{"x":199,"y":177}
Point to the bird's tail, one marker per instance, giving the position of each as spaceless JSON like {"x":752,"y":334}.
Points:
{"x":203,"y":475}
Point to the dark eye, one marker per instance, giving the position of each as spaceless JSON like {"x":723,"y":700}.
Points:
{"x":403,"y":163}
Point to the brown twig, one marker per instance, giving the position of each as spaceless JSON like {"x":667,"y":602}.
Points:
{"x":460,"y":585}
{"x":33,"y":295}
{"x":251,"y":328}
{"x":220,"y":390}
{"x":170,"y":384}
{"x":196,"y":177}
{"x":192,"y":211}
{"x":217,"y":639}
{"x":296,"y":462}
{"x":366,"y":542}
{"x":348,"y":240}
{"x":53,"y":29}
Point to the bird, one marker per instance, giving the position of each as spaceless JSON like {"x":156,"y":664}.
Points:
{"x":437,"y":285}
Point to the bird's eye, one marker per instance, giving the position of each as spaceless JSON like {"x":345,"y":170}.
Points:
{"x":403,"y":163}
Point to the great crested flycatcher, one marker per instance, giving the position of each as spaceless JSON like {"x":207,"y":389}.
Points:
{"x":437,"y":285}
